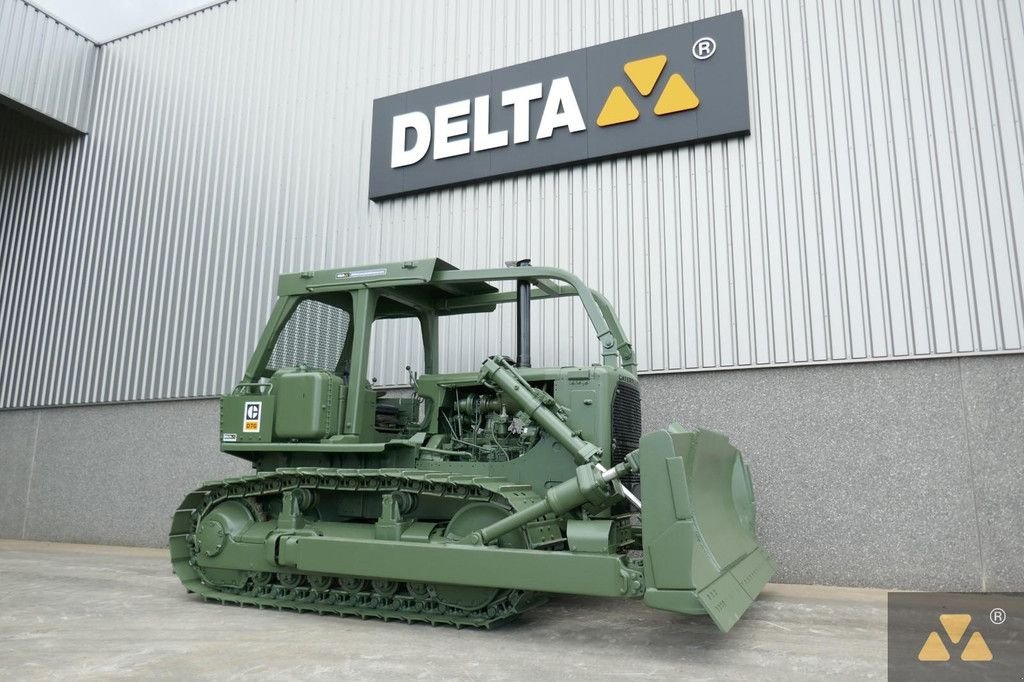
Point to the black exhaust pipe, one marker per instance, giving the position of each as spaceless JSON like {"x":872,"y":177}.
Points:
{"x":523,"y":318}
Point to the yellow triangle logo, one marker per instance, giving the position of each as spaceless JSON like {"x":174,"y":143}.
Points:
{"x":976,"y":649}
{"x":677,"y":96}
{"x":644,"y":72}
{"x":955,"y":625}
{"x":933,"y":649}
{"x":618,"y":108}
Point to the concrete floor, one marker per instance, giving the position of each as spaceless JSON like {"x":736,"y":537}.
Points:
{"x":88,"y":612}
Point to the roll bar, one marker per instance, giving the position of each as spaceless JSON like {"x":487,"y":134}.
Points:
{"x":546,"y":283}
{"x":615,"y":347}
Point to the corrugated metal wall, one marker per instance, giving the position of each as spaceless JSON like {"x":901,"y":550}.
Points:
{"x":873,"y":213}
{"x":46,"y":66}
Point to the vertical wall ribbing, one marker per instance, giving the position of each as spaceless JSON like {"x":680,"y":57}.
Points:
{"x":873,"y":213}
{"x":46,"y":66}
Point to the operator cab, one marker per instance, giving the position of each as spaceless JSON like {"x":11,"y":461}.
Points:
{"x":313,"y":379}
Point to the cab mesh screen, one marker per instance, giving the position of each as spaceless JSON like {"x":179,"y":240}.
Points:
{"x":314,"y":336}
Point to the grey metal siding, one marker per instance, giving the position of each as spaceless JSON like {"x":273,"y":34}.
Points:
{"x":45,"y":66}
{"x":873,"y":213}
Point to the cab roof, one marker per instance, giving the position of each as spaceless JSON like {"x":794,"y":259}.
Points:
{"x":419,"y":274}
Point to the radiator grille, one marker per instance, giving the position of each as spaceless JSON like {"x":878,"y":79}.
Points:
{"x":626,"y":426}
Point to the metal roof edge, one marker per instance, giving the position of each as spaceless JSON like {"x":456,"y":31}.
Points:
{"x":73,"y":29}
{"x":167,"y":20}
{"x":100,"y":42}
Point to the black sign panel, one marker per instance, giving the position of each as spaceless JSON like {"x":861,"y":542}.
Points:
{"x":670,"y":87}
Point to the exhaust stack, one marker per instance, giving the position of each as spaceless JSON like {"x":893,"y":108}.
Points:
{"x":522,"y":317}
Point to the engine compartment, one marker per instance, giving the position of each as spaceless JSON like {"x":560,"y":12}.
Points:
{"x":482,"y":425}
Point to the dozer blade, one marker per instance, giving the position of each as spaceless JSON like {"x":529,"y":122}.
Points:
{"x":700,"y":551}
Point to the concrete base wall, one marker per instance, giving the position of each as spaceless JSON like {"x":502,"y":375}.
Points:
{"x":904,"y":475}
{"x":106,"y":474}
{"x":895,"y":474}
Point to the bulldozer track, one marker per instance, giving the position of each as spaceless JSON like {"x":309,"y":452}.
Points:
{"x":361,"y":596}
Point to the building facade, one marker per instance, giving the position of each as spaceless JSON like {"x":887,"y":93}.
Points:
{"x":160,"y":182}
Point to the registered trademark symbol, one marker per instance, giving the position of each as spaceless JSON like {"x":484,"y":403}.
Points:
{"x":704,"y":47}
{"x":997,"y":616}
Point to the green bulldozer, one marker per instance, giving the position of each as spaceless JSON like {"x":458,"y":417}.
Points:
{"x":473,"y":496}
